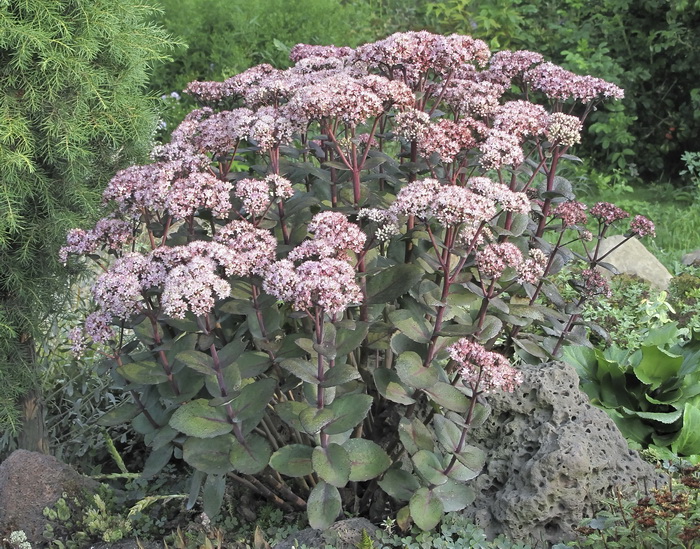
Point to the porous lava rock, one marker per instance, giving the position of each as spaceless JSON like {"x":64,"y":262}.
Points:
{"x":29,"y":482}
{"x":634,"y":259}
{"x":552,"y":459}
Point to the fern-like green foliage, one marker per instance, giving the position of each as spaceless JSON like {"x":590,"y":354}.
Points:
{"x":73,"y":110}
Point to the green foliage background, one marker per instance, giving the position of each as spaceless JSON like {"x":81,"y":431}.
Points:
{"x":73,"y":110}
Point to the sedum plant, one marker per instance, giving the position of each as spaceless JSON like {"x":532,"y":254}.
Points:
{"x":323,"y":328}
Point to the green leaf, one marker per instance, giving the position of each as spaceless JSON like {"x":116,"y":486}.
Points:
{"x":392,"y":282}
{"x":448,"y":434}
{"x":231,"y":381}
{"x":662,"y":417}
{"x":582,"y":359}
{"x":414,"y":435}
{"x":289,"y":413}
{"x":327,"y":347}
{"x":350,"y":335}
{"x":231,"y":352}
{"x":390,"y":387}
{"x":332,"y":464}
{"x":252,"y":363}
{"x":313,"y":419}
{"x":323,"y":506}
{"x":426,"y":509}
{"x":198,"y":361}
{"x":249,"y":406}
{"x":491,"y":328}
{"x":472,"y":458}
{"x":399,"y":484}
{"x":657,"y":365}
{"x":448,"y":396}
{"x":688,"y":441}
{"x":413,"y":327}
{"x":293,"y":460}
{"x":367,"y":459}
{"x":409,"y":367}
{"x":197,"y":419}
{"x":303,"y":369}
{"x":252,"y":457}
{"x":209,"y":455}
{"x":147,"y":372}
{"x":119,"y":415}
{"x":156,"y":460}
{"x":213,"y":494}
{"x":339,"y":375}
{"x":454,"y":495}
{"x":428,"y":466}
{"x":348,"y":412}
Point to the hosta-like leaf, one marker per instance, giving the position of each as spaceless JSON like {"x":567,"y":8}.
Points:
{"x":390,"y":387}
{"x":399,"y":484}
{"x":454,"y":495}
{"x":252,"y":457}
{"x":332,"y":464}
{"x":409,"y":367}
{"x":147,"y":372}
{"x":449,"y":397}
{"x":293,"y":460}
{"x":197,"y":419}
{"x":414,"y":436}
{"x":209,"y":455}
{"x":687,"y":443}
{"x":426,"y":509}
{"x":348,"y":412}
{"x":198,"y":361}
{"x":367,"y":459}
{"x":323,"y":506}
{"x":428,"y":466}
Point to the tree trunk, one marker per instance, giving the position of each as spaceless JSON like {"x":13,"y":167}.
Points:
{"x":32,"y":437}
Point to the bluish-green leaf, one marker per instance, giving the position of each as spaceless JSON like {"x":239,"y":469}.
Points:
{"x":413,"y":327}
{"x":454,"y":495}
{"x":314,"y":419}
{"x":147,"y":372}
{"x":414,"y":435}
{"x":198,"y":361}
{"x":392,"y":282}
{"x":688,"y":441}
{"x":390,"y":387}
{"x":293,"y":460}
{"x":339,"y":375}
{"x":213,"y":494}
{"x":428,"y":466}
{"x":209,"y":455}
{"x":252,"y":457}
{"x":197,"y":419}
{"x":426,"y":509}
{"x":323,"y":506}
{"x":448,"y":396}
{"x":367,"y":459}
{"x":409,"y":367}
{"x":448,"y":434}
{"x":303,"y":369}
{"x":348,"y":412}
{"x":332,"y":464}
{"x":399,"y":484}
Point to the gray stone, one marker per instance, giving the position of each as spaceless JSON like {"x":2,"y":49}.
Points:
{"x":30,"y":481}
{"x":634,"y":259}
{"x":552,"y":458}
{"x":692,"y":258}
{"x":344,"y":534}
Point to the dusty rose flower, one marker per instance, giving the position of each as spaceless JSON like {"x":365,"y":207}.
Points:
{"x":453,"y":205}
{"x":198,"y":190}
{"x":506,"y":65}
{"x":483,"y":370}
{"x":411,"y":123}
{"x":334,"y":228}
{"x":571,"y":213}
{"x":447,"y":138}
{"x":558,"y":83}
{"x":255,"y":195}
{"x":250,"y":249}
{"x":194,"y":286}
{"x":511,"y":201}
{"x":608,"y":213}
{"x":415,"y":198}
{"x":500,"y":149}
{"x":302,"y":51}
{"x":97,"y":327}
{"x":110,"y":232}
{"x":493,"y":260}
{"x":521,"y":118}
{"x":532,"y":269}
{"x":642,"y":226}
{"x":594,"y":284}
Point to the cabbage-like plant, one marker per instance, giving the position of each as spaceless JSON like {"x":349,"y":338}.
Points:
{"x":323,"y":327}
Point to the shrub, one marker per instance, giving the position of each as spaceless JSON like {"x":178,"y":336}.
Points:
{"x":324,"y":327}
{"x":72,"y":111}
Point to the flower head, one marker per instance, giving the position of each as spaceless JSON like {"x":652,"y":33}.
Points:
{"x":608,"y":213}
{"x":564,"y":129}
{"x":483,"y":370}
{"x":642,"y":226}
{"x":493,"y":260}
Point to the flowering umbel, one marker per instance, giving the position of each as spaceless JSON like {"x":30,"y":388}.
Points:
{"x":484,"y":371}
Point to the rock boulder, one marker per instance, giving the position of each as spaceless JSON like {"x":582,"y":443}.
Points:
{"x":634,"y":259}
{"x":552,"y":459}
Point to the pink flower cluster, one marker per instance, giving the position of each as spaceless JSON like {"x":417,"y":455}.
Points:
{"x":564,"y":129}
{"x":482,"y":370}
{"x":493,"y":260}
{"x":558,"y":83}
{"x":608,"y":213}
{"x":642,"y":226}
{"x":110,"y":232}
{"x":571,"y":213}
{"x":594,"y":284}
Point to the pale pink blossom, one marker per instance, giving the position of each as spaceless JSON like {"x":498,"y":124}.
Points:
{"x":255,"y":195}
{"x":532,"y":269}
{"x":564,"y":129}
{"x":608,"y":213}
{"x":642,"y":226}
{"x":197,"y":191}
{"x":415,"y":198}
{"x":493,"y":260}
{"x":571,"y":213}
{"x":411,"y":123}
{"x":454,"y":205}
{"x":194,"y":286}
{"x":501,"y":149}
{"x":483,"y":370}
{"x":521,"y":118}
